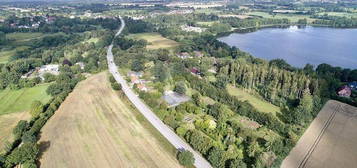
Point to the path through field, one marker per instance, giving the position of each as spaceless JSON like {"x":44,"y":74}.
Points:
{"x":94,"y":127}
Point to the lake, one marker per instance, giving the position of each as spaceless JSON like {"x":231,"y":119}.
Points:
{"x":299,"y":46}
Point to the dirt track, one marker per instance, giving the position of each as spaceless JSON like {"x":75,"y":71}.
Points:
{"x":95,"y":128}
{"x":329,"y":142}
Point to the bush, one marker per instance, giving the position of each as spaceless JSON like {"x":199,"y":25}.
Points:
{"x":26,"y":152}
{"x":180,"y":88}
{"x":185,"y":158}
{"x":116,"y":86}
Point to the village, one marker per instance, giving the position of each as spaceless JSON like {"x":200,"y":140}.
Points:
{"x":143,"y":81}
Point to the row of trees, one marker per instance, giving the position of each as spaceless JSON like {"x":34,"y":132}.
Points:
{"x":277,"y":85}
{"x":248,"y":23}
{"x":336,"y":21}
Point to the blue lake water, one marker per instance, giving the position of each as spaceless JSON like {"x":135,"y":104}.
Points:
{"x":299,"y":46}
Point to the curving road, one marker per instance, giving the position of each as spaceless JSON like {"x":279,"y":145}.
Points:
{"x":170,"y":135}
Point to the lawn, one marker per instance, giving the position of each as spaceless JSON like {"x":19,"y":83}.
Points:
{"x":255,"y":101}
{"x":12,"y":101}
{"x":155,"y":40}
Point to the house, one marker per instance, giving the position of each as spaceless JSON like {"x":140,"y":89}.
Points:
{"x":51,"y":68}
{"x":67,"y":62}
{"x":135,"y":77}
{"x":142,"y":87}
{"x":183,"y":55}
{"x":344,"y":91}
{"x":135,"y":80}
{"x":28,"y":74}
{"x":353,"y":85}
{"x":195,"y":71}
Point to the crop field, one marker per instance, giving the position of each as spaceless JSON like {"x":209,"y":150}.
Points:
{"x":97,"y":127}
{"x":14,"y":106}
{"x":155,"y":40}
{"x":255,"y":101}
{"x":330,"y":140}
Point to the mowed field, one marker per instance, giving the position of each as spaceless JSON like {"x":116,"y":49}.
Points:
{"x":20,"y":100}
{"x":15,"y":106}
{"x":329,"y":142}
{"x":257,"y":102}
{"x":94,"y":127}
{"x":155,"y":40}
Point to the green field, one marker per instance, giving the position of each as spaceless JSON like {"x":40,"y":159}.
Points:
{"x":91,"y":40}
{"x":342,"y":14}
{"x":155,"y":40}
{"x":12,"y":101}
{"x":291,"y":17}
{"x":6,"y":54}
{"x":255,"y":101}
{"x":23,"y":36}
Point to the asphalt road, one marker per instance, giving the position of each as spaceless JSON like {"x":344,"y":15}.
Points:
{"x":169,"y":134}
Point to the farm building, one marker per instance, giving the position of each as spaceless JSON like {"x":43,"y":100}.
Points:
{"x":52,"y":69}
{"x":344,"y":91}
{"x":184,"y":55}
{"x":174,"y":99}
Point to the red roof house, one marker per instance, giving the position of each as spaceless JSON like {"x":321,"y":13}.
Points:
{"x":344,"y":91}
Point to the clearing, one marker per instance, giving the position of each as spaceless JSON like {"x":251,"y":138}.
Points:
{"x":97,"y":127}
{"x":330,"y":140}
{"x":257,"y":102}
{"x":155,"y":40}
{"x":14,"y":106}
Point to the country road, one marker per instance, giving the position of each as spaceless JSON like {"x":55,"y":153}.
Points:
{"x":169,"y":134}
